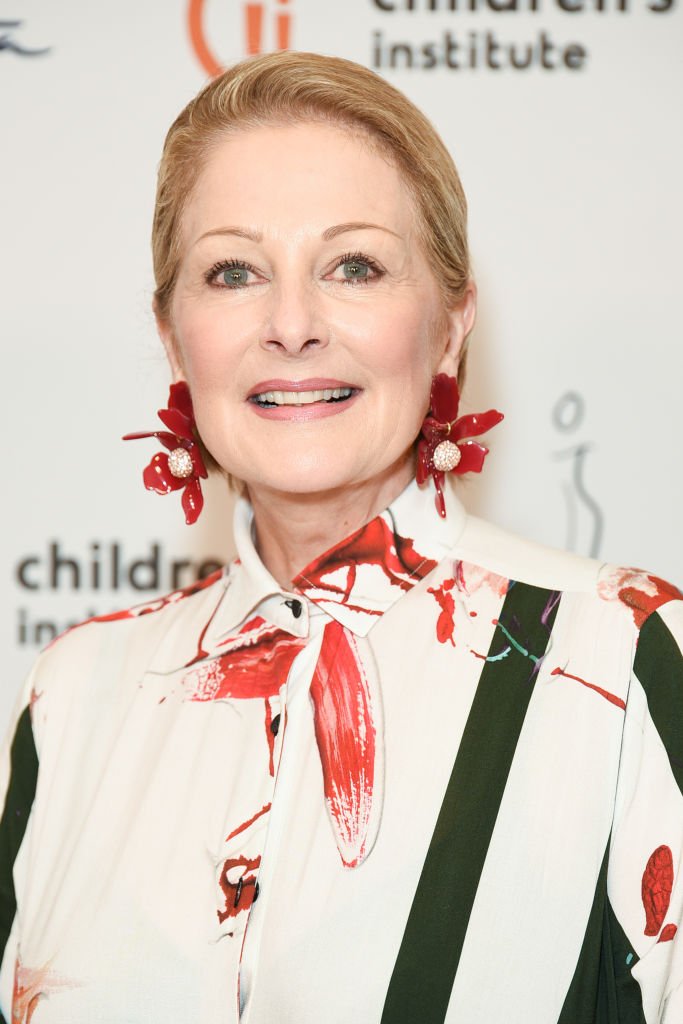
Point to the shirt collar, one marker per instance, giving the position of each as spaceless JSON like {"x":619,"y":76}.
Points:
{"x":357,"y":580}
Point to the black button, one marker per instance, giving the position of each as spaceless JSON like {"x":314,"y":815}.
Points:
{"x":296,"y":607}
{"x":238,"y":892}
{"x":275,"y":725}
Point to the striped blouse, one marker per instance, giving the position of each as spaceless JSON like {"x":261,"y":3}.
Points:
{"x":438,"y":780}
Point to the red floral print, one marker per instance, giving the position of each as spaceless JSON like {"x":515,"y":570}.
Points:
{"x":443,"y":425}
{"x":149,"y":607}
{"x":238,"y":884}
{"x":272,"y":725}
{"x":611,"y":697}
{"x":256,"y":664}
{"x":373,"y":544}
{"x":658,"y":879}
{"x":31,"y":984}
{"x":445,"y":624}
{"x":250,"y":821}
{"x":346,"y":737}
{"x":238,"y":876}
{"x":24,"y":1000}
{"x":470,"y":578}
{"x":639,"y":591}
{"x":178,"y":417}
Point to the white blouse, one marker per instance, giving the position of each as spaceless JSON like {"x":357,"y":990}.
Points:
{"x":438,"y":781}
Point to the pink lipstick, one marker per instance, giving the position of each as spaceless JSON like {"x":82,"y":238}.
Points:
{"x":301,"y":400}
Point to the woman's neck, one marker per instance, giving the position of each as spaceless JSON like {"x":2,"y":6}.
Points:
{"x":293,"y":529}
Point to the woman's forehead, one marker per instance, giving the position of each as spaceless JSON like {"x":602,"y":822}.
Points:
{"x":300,"y":178}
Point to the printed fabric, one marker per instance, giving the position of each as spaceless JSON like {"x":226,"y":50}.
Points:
{"x":440,"y":779}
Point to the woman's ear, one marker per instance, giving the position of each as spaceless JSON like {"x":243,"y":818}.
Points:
{"x":460,"y":321}
{"x":165,"y":331}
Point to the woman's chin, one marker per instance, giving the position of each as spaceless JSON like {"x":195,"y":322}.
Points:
{"x":316,"y":477}
{"x":300,"y":481}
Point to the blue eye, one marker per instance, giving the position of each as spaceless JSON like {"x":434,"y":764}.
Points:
{"x":358,"y":269}
{"x":229,"y":274}
{"x":234,"y":276}
{"x":355,"y":270}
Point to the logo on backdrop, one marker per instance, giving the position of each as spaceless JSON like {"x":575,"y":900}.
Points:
{"x":96,"y":573}
{"x":265,"y":26}
{"x":585,"y":521}
{"x":465,"y":35}
{"x":13,"y":40}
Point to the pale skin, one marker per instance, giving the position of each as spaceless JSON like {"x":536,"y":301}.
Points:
{"x":301,"y":269}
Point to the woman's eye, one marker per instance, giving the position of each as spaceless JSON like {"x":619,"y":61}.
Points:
{"x":231,"y":274}
{"x":234,"y":276}
{"x":356,"y":270}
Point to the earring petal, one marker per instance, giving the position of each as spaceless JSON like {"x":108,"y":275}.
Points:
{"x":177,"y":422}
{"x":192,"y":501}
{"x":158,"y":477}
{"x":474,"y":424}
{"x":472,"y":455}
{"x":445,"y":398}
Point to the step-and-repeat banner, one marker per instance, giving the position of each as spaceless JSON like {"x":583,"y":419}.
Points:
{"x":564,"y":118}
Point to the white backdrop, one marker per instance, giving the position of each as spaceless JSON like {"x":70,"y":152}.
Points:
{"x":572,"y":166}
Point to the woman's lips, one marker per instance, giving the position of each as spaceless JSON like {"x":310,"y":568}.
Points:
{"x":302,"y":400}
{"x":310,"y":384}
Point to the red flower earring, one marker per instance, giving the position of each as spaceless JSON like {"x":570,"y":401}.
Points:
{"x":183,"y":466}
{"x":441,"y":448}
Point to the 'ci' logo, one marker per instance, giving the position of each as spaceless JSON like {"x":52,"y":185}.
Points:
{"x":263,"y":29}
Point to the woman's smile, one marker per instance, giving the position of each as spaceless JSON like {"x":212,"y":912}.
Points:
{"x":301,"y":401}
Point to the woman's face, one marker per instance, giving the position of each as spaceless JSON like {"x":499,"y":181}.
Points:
{"x":305,"y":318}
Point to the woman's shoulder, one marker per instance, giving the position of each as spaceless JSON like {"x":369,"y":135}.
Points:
{"x":135,"y":632}
{"x":104,"y":661}
{"x":516,"y":558}
{"x":631,"y":591}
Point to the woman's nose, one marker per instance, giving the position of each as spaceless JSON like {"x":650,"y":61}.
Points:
{"x":295,"y":322}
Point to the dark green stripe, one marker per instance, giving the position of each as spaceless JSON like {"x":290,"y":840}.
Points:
{"x":427,"y":962}
{"x":618,"y":960}
{"x":18,"y":803}
{"x":658,"y":666}
{"x":603,"y":989}
{"x":581,"y":1001}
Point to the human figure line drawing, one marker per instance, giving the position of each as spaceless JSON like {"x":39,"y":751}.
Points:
{"x":585,"y":520}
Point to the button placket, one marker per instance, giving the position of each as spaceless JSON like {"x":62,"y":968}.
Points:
{"x":297,"y":679}
{"x":251,"y":837}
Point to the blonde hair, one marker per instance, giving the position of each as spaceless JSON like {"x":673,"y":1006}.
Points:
{"x":291,"y":87}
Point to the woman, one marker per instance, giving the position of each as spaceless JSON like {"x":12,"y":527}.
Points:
{"x":393,"y":764}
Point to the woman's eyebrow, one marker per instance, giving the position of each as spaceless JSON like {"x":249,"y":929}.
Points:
{"x":327,"y":235}
{"x":253,"y":236}
{"x":355,"y":225}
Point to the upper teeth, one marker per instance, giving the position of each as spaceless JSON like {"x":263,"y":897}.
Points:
{"x":302,"y":397}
